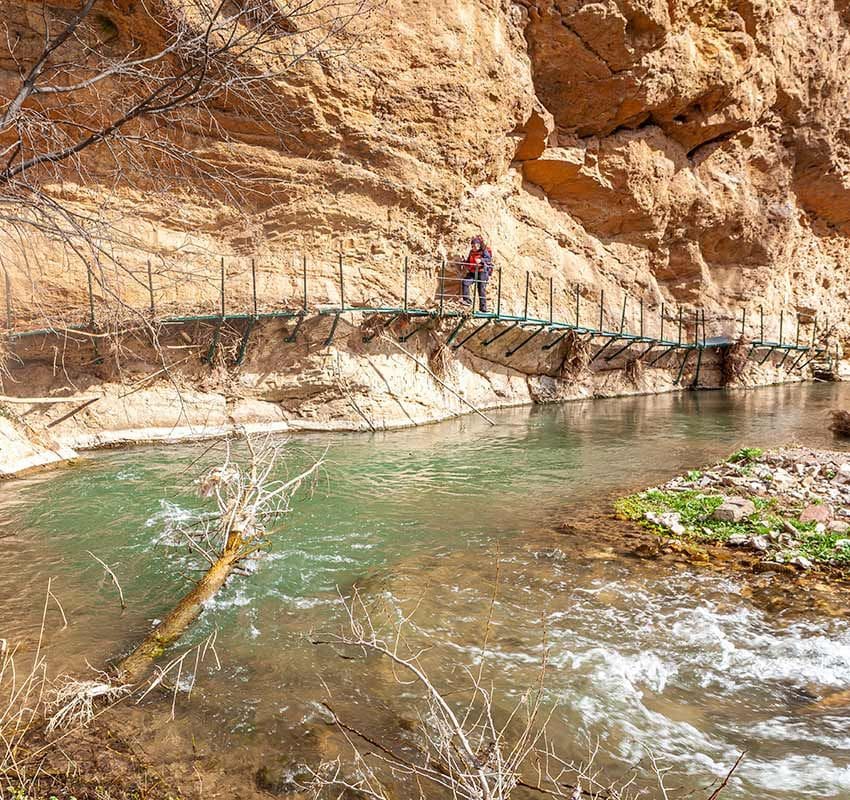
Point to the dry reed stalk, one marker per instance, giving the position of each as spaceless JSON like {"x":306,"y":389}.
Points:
{"x":439,"y":359}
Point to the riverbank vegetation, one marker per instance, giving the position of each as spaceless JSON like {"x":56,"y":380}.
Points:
{"x":790,"y":506}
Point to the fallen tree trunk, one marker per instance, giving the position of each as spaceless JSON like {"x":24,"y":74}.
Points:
{"x":134,"y":667}
{"x":247,"y":501}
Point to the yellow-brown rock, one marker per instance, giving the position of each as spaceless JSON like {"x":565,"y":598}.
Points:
{"x":692,"y":152}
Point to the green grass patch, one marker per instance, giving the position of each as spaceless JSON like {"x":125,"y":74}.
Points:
{"x":746,"y":454}
{"x":695,"y":511}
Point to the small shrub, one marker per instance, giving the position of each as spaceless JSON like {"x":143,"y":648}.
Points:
{"x":746,"y":454}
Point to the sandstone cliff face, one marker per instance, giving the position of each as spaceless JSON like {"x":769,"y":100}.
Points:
{"x":687,"y":152}
{"x":693,"y":150}
{"x":705,"y":140}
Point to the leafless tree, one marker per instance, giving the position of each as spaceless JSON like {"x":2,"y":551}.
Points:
{"x":114,"y":94}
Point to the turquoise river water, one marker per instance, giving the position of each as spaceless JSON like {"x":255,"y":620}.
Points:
{"x":642,"y":655}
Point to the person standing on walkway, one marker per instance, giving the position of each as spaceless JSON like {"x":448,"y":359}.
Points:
{"x":476,"y":272}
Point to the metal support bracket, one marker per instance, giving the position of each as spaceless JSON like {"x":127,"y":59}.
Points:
{"x":798,"y":360}
{"x":416,"y":330}
{"x":243,"y":345}
{"x":556,"y":341}
{"x":294,"y":335}
{"x":767,"y":355}
{"x":488,"y":342}
{"x":623,"y":349}
{"x":332,"y":330}
{"x":607,"y":344}
{"x":472,"y":335}
{"x":208,"y":358}
{"x":456,"y":330}
{"x":658,"y":358}
{"x":524,"y":342}
{"x":682,"y":368}
{"x":695,"y":383}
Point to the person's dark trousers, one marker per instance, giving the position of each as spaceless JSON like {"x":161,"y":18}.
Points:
{"x":467,"y":283}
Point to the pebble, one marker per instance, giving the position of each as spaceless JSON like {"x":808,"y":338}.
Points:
{"x":669,"y":519}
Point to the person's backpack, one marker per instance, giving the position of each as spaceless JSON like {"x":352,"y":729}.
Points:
{"x":487,"y":261}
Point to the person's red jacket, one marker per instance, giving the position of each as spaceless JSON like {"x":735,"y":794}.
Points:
{"x":483,"y":259}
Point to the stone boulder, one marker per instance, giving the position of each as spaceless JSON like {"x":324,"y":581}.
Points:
{"x":816,"y":513}
{"x":734,"y":509}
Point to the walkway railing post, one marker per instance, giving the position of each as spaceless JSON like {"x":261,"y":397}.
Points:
{"x":761,"y":323}
{"x":623,"y":314}
{"x":551,"y":299}
{"x":254,"y":284}
{"x":680,"y":326}
{"x":781,"y":324}
{"x":578,"y":301}
{"x":797,"y":337}
{"x":406,"y":269}
{"x":814,"y":329}
{"x":341,"y":284}
{"x":704,"y":337}
{"x":661,"y":335}
{"x":150,"y":290}
{"x":641,"y":318}
{"x":499,"y":295}
{"x":601,"y":307}
{"x":527,"y":284}
{"x":743,"y":321}
{"x":442,"y":285}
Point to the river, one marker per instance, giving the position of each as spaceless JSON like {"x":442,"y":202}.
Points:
{"x":642,"y":656}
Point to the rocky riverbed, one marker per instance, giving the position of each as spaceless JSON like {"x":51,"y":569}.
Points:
{"x":789,"y":507}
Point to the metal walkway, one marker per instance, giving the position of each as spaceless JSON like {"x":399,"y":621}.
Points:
{"x":686,"y":338}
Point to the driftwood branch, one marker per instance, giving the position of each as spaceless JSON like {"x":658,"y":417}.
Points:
{"x":111,"y":575}
{"x":464,"y":749}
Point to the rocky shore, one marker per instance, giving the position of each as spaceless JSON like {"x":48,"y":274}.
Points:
{"x":787,"y":510}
